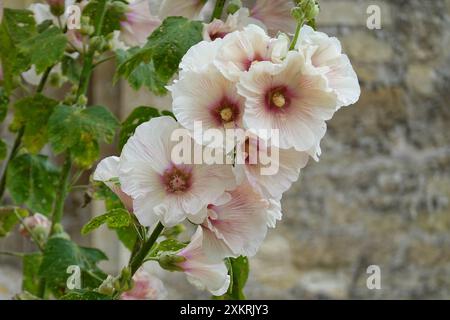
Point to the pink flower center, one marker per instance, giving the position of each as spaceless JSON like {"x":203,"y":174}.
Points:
{"x":177,"y":179}
{"x":277,"y":99}
{"x":225,"y":112}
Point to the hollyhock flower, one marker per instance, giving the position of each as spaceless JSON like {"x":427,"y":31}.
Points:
{"x":237,"y":227}
{"x":271,"y":171}
{"x":325,"y":54}
{"x":200,"y":57}
{"x":138,"y":23}
{"x":76,"y":40}
{"x":286,"y":97}
{"x":38,"y":224}
{"x":202,"y":270}
{"x":241,"y":50}
{"x":235,"y":22}
{"x":162,"y":188}
{"x":275,"y":15}
{"x":43,"y":12}
{"x":191,"y":9}
{"x":107,"y":171}
{"x":207,"y":97}
{"x":146,"y":287}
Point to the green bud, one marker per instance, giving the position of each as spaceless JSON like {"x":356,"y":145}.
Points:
{"x":174,"y":231}
{"x":107,"y":286}
{"x":82,"y":100}
{"x":118,"y":7}
{"x":170,"y":262}
{"x":305,"y":10}
{"x":56,"y":79}
{"x":234,"y":6}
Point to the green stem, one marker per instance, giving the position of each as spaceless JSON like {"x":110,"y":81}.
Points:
{"x":89,"y":58}
{"x":58,"y":206}
{"x":136,"y":263}
{"x":218,"y":9}
{"x":296,"y":36}
{"x":12,"y":254}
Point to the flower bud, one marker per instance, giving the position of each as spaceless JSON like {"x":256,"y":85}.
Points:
{"x":107,"y":286}
{"x":171,"y":262}
{"x":234,"y":6}
{"x":57,"y":7}
{"x":305,"y":11}
{"x":174,"y":231}
{"x":37,"y":224}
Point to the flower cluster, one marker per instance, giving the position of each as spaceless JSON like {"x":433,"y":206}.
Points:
{"x":246,"y":80}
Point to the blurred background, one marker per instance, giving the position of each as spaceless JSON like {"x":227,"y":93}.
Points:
{"x":380,"y":194}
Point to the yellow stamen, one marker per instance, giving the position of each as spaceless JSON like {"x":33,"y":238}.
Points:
{"x":278,"y":99}
{"x":226,"y":114}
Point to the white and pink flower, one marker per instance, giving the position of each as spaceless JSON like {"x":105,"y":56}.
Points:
{"x":275,"y":15}
{"x":204,"y":271}
{"x":238,"y":226}
{"x":290,"y":98}
{"x":138,"y":23}
{"x":161,"y":188}
{"x":146,"y":287}
{"x":324,"y":53}
{"x":107,"y":171}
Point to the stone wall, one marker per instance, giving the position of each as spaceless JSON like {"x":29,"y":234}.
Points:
{"x":380,"y":194}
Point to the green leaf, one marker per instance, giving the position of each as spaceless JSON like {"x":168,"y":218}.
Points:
{"x":17,"y":26}
{"x":167,"y":246}
{"x":3,"y":150}
{"x":9,"y":217}
{"x":33,"y":113}
{"x":30,"y":269}
{"x":45,"y":49}
{"x":127,"y":236}
{"x":84,"y":295}
{"x":80,"y":130}
{"x":165,"y":48}
{"x":61,"y":253}
{"x":143,"y":75}
{"x":4,"y":102}
{"x":238,"y":270}
{"x":116,"y":218}
{"x":32,"y":180}
{"x":137,"y":117}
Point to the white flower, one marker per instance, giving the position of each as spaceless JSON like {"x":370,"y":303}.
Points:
{"x":235,"y":22}
{"x":191,"y":9}
{"x":201,"y":56}
{"x":138,"y":23}
{"x":203,"y":271}
{"x":283,"y":169}
{"x":325,"y":54}
{"x":164,"y":189}
{"x":146,"y":287}
{"x":42,"y":12}
{"x":275,"y":15}
{"x":238,"y":226}
{"x":239,"y":51}
{"x":107,"y":171}
{"x":289,"y":98}
{"x":207,"y":96}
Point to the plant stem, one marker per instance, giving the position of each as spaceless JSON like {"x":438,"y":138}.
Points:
{"x":89,"y":58}
{"x":296,"y":36}
{"x":58,"y":206}
{"x":12,"y":254}
{"x":218,"y":9}
{"x":136,"y":263}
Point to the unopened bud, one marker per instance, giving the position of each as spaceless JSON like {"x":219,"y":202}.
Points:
{"x":57,"y":7}
{"x":233,"y":6}
{"x":305,"y":11}
{"x":107,"y":286}
{"x":37,"y":224}
{"x":171,"y":262}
